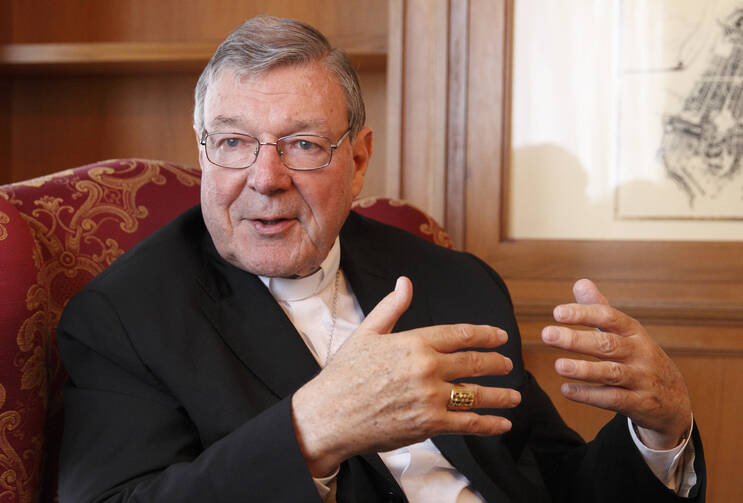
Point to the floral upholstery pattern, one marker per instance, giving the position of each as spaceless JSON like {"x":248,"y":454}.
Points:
{"x":56,"y":233}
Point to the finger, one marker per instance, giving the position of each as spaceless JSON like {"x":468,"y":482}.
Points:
{"x":450,"y":338}
{"x":586,"y":292}
{"x":487,"y":397}
{"x":605,"y":373}
{"x":385,"y":314}
{"x":598,"y":316}
{"x":474,"y":364}
{"x":472,"y":423}
{"x":605,"y":397}
{"x":604,"y":345}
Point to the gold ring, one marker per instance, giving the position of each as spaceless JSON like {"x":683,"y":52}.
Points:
{"x":461,"y":397}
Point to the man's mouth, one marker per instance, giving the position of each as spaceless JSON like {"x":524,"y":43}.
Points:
{"x":271,"y":222}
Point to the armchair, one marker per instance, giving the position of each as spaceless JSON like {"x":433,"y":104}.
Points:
{"x":56,"y":233}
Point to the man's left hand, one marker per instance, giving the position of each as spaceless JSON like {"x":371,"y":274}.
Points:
{"x":633,"y":376}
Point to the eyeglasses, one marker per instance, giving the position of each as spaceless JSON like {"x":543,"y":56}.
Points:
{"x":301,"y":152}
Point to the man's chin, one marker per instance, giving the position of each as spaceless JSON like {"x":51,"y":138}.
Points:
{"x":275,"y":266}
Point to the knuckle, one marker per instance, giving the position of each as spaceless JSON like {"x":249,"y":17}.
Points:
{"x":606,"y":343}
{"x":566,"y":338}
{"x":464,"y":334}
{"x":426,"y":367}
{"x":429,"y":395}
{"x":614,"y":401}
{"x":478,"y":396}
{"x":611,"y":316}
{"x":614,"y":374}
{"x":471,"y":423}
{"x":650,"y":403}
{"x":474,"y":363}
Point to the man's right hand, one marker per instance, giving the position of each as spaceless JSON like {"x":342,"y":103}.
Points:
{"x":381,"y":391}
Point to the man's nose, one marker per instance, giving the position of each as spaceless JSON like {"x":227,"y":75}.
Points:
{"x":268,"y":174}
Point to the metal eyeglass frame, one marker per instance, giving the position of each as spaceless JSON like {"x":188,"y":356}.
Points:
{"x":333,"y":146}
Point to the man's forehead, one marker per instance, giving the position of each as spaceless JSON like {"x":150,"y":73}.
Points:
{"x":299,"y":87}
{"x":241,"y":121}
{"x":311,"y":79}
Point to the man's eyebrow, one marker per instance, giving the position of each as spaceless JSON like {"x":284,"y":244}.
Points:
{"x":310,"y":124}
{"x":224,"y":120}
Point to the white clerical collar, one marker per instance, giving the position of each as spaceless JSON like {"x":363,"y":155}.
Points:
{"x":289,"y":289}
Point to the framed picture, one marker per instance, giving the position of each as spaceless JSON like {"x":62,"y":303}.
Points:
{"x":627,"y":120}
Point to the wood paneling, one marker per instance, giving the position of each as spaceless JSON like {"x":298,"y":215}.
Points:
{"x":488,"y":119}
{"x":360,"y":22}
{"x":373,"y":87}
{"x":6,"y":25}
{"x":456,"y":127}
{"x":66,"y":122}
{"x":424,"y":104}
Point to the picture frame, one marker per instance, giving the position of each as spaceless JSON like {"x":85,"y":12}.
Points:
{"x":626,"y":128}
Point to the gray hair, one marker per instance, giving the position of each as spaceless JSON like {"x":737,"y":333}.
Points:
{"x":264,"y":43}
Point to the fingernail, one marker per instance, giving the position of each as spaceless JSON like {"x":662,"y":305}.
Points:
{"x":509,"y":364}
{"x":515,"y":398}
{"x":502,"y":335}
{"x":398,"y":284}
{"x":550,"y":334}
{"x":561,"y":312}
{"x":566,"y":365}
{"x":568,"y":388}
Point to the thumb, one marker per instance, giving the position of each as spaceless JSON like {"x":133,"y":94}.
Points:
{"x":586,"y":292}
{"x":385,"y":314}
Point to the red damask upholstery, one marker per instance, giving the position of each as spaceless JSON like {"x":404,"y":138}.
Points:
{"x":404,"y":215}
{"x":56,"y":233}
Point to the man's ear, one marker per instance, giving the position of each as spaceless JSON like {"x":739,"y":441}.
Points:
{"x":362,"y":149}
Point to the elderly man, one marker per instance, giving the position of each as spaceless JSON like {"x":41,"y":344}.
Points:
{"x":268,"y":345}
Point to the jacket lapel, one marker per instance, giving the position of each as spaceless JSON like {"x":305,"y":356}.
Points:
{"x":254,"y":326}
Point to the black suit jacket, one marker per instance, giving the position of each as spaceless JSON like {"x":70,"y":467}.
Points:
{"x":182,"y":369}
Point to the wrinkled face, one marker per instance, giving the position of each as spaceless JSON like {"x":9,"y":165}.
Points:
{"x":268,"y":219}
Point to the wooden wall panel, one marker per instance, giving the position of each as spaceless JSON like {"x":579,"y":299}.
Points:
{"x":66,"y":122}
{"x":487,"y":124}
{"x":424,"y":105}
{"x":373,"y":87}
{"x":6,"y":25}
{"x":358,"y":23}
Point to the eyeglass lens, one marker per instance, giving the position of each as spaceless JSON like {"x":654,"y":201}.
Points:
{"x":234,"y":150}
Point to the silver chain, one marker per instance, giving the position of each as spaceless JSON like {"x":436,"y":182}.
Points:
{"x":333,"y":317}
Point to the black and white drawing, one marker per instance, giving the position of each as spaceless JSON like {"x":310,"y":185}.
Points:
{"x":702,"y":148}
{"x":681,"y":120}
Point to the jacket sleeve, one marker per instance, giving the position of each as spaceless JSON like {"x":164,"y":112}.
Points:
{"x":609,"y":468}
{"x":127,"y":439}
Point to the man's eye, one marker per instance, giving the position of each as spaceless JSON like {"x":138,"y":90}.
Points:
{"x":230,"y":142}
{"x":305,"y":145}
